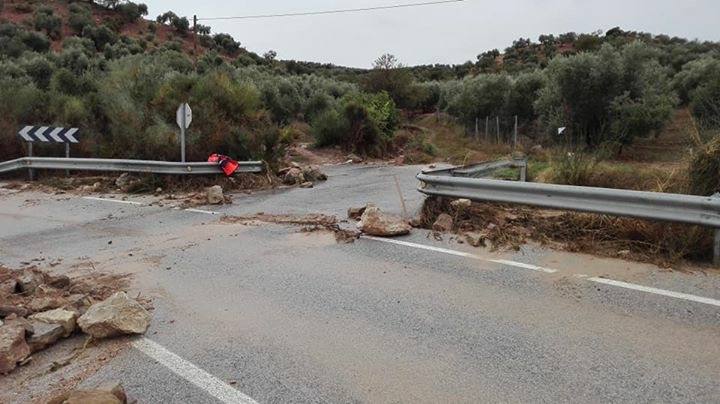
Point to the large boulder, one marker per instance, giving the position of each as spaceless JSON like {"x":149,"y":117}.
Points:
{"x":116,"y":315}
{"x":13,"y":347}
{"x":6,"y":310}
{"x":444,"y":223}
{"x":29,"y":281}
{"x":376,"y":223}
{"x":44,"y":335}
{"x":39,"y":304}
{"x":461,"y":203}
{"x":293,"y":176}
{"x":9,"y":287}
{"x":65,"y":318}
{"x":215,"y":195}
{"x":356,"y":213}
{"x":313,"y":174}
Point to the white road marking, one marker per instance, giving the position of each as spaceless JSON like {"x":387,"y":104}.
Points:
{"x":193,"y":374}
{"x":526,"y":266}
{"x":647,"y":289}
{"x":207,"y":212}
{"x":92,"y":198}
{"x":462,"y":254}
{"x":662,"y":292}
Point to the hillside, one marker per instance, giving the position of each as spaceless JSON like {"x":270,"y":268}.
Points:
{"x":109,"y":70}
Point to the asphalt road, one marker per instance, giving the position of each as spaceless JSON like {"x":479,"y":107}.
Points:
{"x":271,"y":314}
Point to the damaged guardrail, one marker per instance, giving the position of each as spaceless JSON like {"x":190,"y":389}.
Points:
{"x":132,"y":166}
{"x":483,"y":169}
{"x":688,"y":209}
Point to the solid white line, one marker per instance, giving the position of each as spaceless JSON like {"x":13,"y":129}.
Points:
{"x":461,"y":254}
{"x":193,"y":374}
{"x":662,"y":292}
{"x":92,"y":198}
{"x":207,"y":212}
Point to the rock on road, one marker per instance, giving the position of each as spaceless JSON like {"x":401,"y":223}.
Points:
{"x":270,"y":314}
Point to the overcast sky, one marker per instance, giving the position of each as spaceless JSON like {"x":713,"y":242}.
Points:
{"x":450,"y":33}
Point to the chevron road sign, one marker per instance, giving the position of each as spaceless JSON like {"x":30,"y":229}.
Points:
{"x":48,"y":134}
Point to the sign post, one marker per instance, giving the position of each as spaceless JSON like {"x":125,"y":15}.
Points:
{"x":47,"y":134}
{"x":184,"y":118}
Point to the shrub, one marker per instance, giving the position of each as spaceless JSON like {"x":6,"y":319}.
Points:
{"x":572,"y":168}
{"x":35,"y":41}
{"x":606,"y":95}
{"x":46,"y":20}
{"x":101,"y":36}
{"x":330,"y":128}
{"x":80,"y":17}
{"x":131,"y":12}
{"x":704,"y":169}
{"x":226,"y":43}
{"x":40,"y":70}
{"x":361,"y":123}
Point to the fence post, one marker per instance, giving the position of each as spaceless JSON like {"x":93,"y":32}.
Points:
{"x":477,"y":131}
{"x":487,"y":128}
{"x":515,"y":133}
{"x":497,"y":128}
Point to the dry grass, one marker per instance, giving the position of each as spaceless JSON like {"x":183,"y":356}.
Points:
{"x":448,"y":141}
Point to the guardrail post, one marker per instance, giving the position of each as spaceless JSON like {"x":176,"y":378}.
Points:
{"x":716,"y":248}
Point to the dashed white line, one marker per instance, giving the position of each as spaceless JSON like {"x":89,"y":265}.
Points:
{"x":193,"y":374}
{"x":207,"y":212}
{"x":611,"y":282}
{"x":462,"y":254}
{"x":92,"y":198}
{"x":662,"y":292}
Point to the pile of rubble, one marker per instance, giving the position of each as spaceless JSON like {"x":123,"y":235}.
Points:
{"x":38,"y":309}
{"x":305,"y":177}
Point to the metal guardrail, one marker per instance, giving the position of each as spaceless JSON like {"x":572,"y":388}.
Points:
{"x":688,"y":209}
{"x":483,"y":169}
{"x":133,"y":166}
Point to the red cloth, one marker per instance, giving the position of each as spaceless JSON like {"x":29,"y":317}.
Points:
{"x":227,"y":165}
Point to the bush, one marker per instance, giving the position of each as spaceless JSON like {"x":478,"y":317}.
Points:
{"x":361,"y":123}
{"x":46,"y":20}
{"x":330,"y":128}
{"x":704,"y":169}
{"x":40,"y":70}
{"x":131,"y":12}
{"x":572,"y":168}
{"x":101,"y":36}
{"x":226,"y":43}
{"x":606,"y":96}
{"x":80,"y":17}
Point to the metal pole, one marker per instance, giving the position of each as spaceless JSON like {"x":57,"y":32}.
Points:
{"x":195,"y":48}
{"x":182,"y":133}
{"x":515,"y":133}
{"x":31,"y":173}
{"x":67,"y":156}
